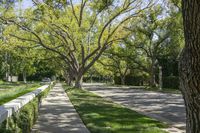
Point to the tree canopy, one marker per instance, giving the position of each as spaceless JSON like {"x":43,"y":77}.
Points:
{"x":125,"y":37}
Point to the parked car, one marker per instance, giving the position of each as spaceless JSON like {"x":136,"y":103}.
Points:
{"x":45,"y":81}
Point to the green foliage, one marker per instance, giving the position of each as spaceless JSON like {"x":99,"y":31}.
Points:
{"x":44,"y":68}
{"x":131,"y":80}
{"x":12,"y":91}
{"x":155,"y":40}
{"x":117,"y":80}
{"x":135,"y":80}
{"x":28,"y":116}
{"x":78,"y":32}
{"x":23,"y":121}
{"x":103,"y":116}
{"x":171,"y":82}
{"x":169,"y":65}
{"x":104,"y":4}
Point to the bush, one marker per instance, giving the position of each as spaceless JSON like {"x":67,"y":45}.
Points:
{"x":171,"y":82}
{"x":117,"y":80}
{"x":134,"y":80}
{"x":130,"y":80}
{"x":23,"y":121}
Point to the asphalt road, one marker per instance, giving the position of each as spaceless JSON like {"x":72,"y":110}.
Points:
{"x":161,"y":106}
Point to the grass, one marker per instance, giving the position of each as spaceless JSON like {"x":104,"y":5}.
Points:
{"x":103,"y":116}
{"x":10,"y":91}
{"x":23,"y":120}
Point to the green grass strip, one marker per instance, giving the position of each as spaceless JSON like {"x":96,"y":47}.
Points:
{"x":103,"y":116}
{"x":11,"y":94}
{"x":23,"y":120}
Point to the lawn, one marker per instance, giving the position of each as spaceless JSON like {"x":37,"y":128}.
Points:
{"x":103,"y":116}
{"x":10,"y":91}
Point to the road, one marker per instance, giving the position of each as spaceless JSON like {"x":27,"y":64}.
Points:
{"x":161,"y":106}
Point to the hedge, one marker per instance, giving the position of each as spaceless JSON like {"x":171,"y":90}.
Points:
{"x":131,"y":80}
{"x":23,"y":121}
{"x":171,"y":82}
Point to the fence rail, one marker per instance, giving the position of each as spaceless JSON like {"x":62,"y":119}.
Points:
{"x":7,"y":109}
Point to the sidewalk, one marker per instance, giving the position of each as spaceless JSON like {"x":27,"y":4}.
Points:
{"x":57,"y":114}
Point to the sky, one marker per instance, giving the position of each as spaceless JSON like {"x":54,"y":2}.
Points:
{"x":27,"y":3}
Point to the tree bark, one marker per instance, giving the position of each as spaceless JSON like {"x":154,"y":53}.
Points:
{"x":24,"y":77}
{"x":7,"y":76}
{"x":68,"y":77}
{"x":11,"y":77}
{"x":152,"y":74}
{"x":160,"y":78}
{"x":70,"y":80}
{"x":189,"y":65}
{"x":90,"y":78}
{"x":78,"y":81}
{"x":122,"y":80}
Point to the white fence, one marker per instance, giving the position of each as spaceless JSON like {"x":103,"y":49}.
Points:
{"x":15,"y":105}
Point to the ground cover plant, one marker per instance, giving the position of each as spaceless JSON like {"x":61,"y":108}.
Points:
{"x":10,"y":91}
{"x":23,"y":121}
{"x":103,"y":116}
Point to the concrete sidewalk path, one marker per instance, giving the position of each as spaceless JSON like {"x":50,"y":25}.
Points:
{"x":57,"y":114}
{"x":161,"y":106}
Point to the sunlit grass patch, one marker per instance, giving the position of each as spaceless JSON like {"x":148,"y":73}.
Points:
{"x":11,"y":91}
{"x":103,"y":116}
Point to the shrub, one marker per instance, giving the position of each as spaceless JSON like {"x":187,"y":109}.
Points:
{"x":171,"y":82}
{"x":130,"y":80}
{"x":134,"y":80}
{"x":23,"y":121}
{"x":117,"y":80}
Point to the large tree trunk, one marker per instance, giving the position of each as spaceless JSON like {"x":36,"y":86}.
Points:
{"x":68,"y":77}
{"x":71,"y":76}
{"x":70,"y":80}
{"x":190,"y":64}
{"x":78,"y":81}
{"x":11,"y":77}
{"x":24,"y":77}
{"x":7,"y":76}
{"x":67,"y":80}
{"x":122,"y":80}
{"x":90,"y":78}
{"x":160,"y":78}
{"x":152,"y":74}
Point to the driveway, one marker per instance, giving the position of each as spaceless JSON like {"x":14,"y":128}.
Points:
{"x":161,"y":106}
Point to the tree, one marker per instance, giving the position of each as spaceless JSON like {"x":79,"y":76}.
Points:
{"x":17,"y":59}
{"x":150,"y":36}
{"x":190,"y":64}
{"x":175,"y":29}
{"x":79,"y":33}
{"x":117,"y":65}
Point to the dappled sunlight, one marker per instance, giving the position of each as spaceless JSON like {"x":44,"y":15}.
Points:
{"x":57,"y":115}
{"x":162,"y":106}
{"x":104,"y":116}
